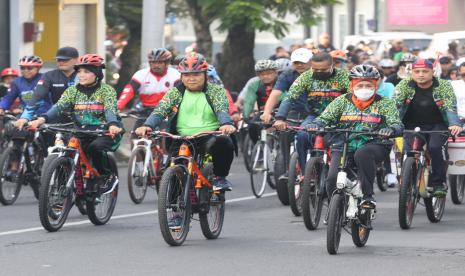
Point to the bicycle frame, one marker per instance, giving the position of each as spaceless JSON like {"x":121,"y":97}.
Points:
{"x":150,"y":165}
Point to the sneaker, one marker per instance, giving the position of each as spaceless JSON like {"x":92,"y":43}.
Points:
{"x":108,"y":184}
{"x":440,"y":191}
{"x":175,"y":222}
{"x":391,"y":180}
{"x":221,"y":183}
{"x":368,"y":202}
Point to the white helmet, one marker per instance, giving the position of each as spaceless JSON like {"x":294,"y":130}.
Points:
{"x":301,"y":55}
{"x":387,"y":63}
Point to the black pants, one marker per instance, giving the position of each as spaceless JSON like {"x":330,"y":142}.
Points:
{"x":96,"y":150}
{"x":365,"y":158}
{"x":221,"y":149}
{"x":438,"y":151}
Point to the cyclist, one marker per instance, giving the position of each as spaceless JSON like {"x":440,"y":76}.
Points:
{"x":388,"y":67}
{"x":258,"y":93}
{"x":429,"y":103}
{"x":8,"y":75}
{"x":361,"y":110}
{"x":53,"y":84}
{"x":195,"y":105}
{"x":339,"y":58}
{"x":23,"y":87}
{"x":321,"y":85}
{"x":405,"y":69}
{"x":150,"y":83}
{"x":93,"y":105}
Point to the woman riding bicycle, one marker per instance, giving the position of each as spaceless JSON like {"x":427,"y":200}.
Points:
{"x":93,"y":106}
{"x":361,"y":110}
{"x":195,"y":106}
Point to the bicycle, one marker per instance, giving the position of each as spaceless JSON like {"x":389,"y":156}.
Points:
{"x":415,"y":181}
{"x":68,"y":178}
{"x":263,"y":158}
{"x":456,"y":172}
{"x":185,"y":189}
{"x":344,"y":209}
{"x":146,"y":164}
{"x":26,"y":155}
{"x":5,"y":118}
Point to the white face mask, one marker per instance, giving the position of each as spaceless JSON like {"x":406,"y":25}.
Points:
{"x":364,"y":93}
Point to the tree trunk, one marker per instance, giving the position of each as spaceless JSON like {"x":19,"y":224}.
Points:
{"x":201,"y":24}
{"x":130,"y":60}
{"x":238,"y":57}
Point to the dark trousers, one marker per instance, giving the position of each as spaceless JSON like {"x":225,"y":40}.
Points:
{"x":437,"y":150}
{"x":96,"y":150}
{"x":221,"y":149}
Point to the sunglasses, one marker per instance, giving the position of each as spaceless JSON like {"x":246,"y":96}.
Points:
{"x":24,"y":68}
{"x":61,"y":60}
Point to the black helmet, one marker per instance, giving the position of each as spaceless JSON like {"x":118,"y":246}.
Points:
{"x":408,"y":57}
{"x":364,"y":71}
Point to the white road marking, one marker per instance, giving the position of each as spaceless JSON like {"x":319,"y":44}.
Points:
{"x":81,"y":222}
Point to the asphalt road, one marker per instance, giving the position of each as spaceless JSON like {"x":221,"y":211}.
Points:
{"x":260,"y":237}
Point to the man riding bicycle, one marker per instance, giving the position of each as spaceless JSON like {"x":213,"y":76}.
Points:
{"x":361,"y":110}
{"x":195,"y":106}
{"x":429,"y":103}
{"x":93,"y":105}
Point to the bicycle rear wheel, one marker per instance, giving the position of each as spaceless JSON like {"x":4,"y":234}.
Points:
{"x":211,"y":222}
{"x":382,"y":185}
{"x":137,"y":184}
{"x":294,"y":185}
{"x":360,"y":232}
{"x":55,"y":199}
{"x":435,"y":208}
{"x":10,"y":182}
{"x":247,"y":148}
{"x":281,"y":184}
{"x":408,"y":197}
{"x":259,"y":169}
{"x":335,"y":223}
{"x":312,"y":197}
{"x":100,"y":208}
{"x":457,"y":188}
{"x":174,"y":215}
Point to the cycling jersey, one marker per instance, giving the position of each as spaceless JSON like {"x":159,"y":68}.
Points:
{"x":257,"y":92}
{"x":284,"y":82}
{"x":49,"y":88}
{"x":23,"y":89}
{"x":150,"y":87}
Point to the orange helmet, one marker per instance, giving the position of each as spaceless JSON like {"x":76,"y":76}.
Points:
{"x":90,"y":59}
{"x":9,"y":72}
{"x":339,"y":55}
{"x":34,"y":61}
{"x":193,"y":63}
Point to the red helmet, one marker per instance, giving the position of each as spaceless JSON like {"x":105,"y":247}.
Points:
{"x":159,"y":54}
{"x":34,"y":61}
{"x":92,"y":60}
{"x":193,"y":63}
{"x":9,"y":72}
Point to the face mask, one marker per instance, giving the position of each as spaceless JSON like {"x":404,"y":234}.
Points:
{"x":364,"y":93}
{"x":322,"y":75}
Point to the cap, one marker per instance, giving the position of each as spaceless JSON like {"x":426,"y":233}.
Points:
{"x":422,"y":63}
{"x":445,"y":60}
{"x":301,"y":55}
{"x":67,"y":53}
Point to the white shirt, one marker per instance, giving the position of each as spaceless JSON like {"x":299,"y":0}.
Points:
{"x":459,"y":90}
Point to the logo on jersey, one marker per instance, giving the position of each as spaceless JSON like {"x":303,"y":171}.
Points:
{"x":40,"y":82}
{"x":167,"y":84}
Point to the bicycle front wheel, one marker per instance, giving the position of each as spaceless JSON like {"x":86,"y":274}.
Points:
{"x":335,"y":223}
{"x":10,"y":181}
{"x":294,"y":185}
{"x":408,"y":197}
{"x":312,"y":197}
{"x":137,"y":183}
{"x":259,"y":169}
{"x":173,"y":213}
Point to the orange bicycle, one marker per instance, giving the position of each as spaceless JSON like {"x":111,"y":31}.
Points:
{"x":185,"y":189}
{"x":66,"y":180}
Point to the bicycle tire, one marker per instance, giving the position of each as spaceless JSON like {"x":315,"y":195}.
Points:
{"x":382,"y":185}
{"x":166,"y":186}
{"x":408,"y":199}
{"x":359,"y":233}
{"x":61,"y":166}
{"x":281,"y":185}
{"x":211,"y":222}
{"x":5,"y":158}
{"x":312,"y":197}
{"x":258,"y":175}
{"x":294,"y":185}
{"x":137,"y":183}
{"x":435,"y":208}
{"x":247,"y":149}
{"x":335,"y":220}
{"x":457,"y":188}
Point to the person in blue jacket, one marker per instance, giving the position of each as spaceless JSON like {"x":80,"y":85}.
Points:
{"x":23,"y":87}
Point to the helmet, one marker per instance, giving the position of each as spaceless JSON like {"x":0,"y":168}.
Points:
{"x":90,"y":59}
{"x":364,"y":72}
{"x":301,"y":55}
{"x":35,"y":61}
{"x":460,"y":61}
{"x":283,"y":64}
{"x":265,"y":64}
{"x":339,"y":55}
{"x":159,"y":54}
{"x":9,"y":72}
{"x":193,"y":63}
{"x":213,"y":76}
{"x":407,"y":57}
{"x":387,"y":63}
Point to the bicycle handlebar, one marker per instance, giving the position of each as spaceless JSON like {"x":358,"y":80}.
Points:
{"x":180,"y":137}
{"x":73,"y":131}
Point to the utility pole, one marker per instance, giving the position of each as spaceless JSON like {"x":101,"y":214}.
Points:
{"x":153,"y":24}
